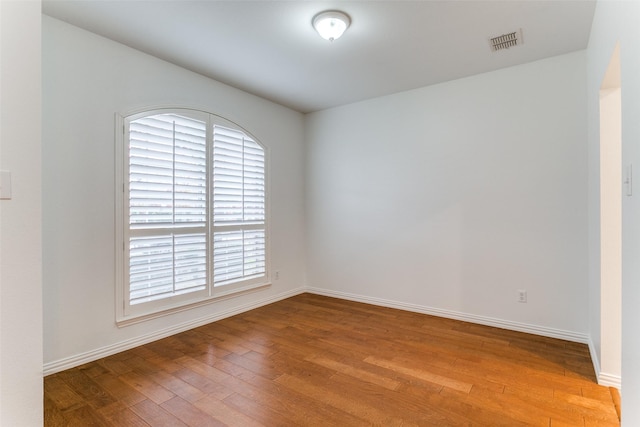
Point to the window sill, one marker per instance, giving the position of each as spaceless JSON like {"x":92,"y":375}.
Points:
{"x":220,"y":295}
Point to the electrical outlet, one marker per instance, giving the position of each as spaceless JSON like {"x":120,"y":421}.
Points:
{"x":276,"y":275}
{"x":522,"y":295}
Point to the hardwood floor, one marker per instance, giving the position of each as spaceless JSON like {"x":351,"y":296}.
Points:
{"x":317,"y":361}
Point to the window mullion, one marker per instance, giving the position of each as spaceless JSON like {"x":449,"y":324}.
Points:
{"x":243,"y":178}
{"x":173,"y":205}
{"x":173,"y":263}
{"x":143,"y":232}
{"x":209,"y":214}
{"x":243,"y":205}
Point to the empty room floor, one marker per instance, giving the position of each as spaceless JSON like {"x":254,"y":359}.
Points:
{"x":312,"y":360}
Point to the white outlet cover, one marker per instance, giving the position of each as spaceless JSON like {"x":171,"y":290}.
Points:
{"x":522,"y":295}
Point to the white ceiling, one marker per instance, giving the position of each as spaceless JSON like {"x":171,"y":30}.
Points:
{"x":270,"y":49}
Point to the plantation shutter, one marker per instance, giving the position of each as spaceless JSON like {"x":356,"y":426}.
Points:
{"x":239,"y":243}
{"x":167,"y":184}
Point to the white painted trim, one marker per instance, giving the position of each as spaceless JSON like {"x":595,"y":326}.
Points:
{"x":603,"y":378}
{"x":609,"y":380}
{"x":231,"y":293}
{"x":594,"y":359}
{"x":127,"y":313}
{"x":80,"y":359}
{"x":482,"y":320}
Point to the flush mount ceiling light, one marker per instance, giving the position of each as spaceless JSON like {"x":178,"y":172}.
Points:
{"x":331,"y":24}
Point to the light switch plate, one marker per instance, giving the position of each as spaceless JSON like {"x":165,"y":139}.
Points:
{"x":5,"y":185}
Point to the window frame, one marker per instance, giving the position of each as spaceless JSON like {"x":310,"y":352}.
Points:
{"x":127,"y":313}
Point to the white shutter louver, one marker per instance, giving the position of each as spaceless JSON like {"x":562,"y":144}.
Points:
{"x":227,"y":175}
{"x":254,"y":188}
{"x":194,"y":211}
{"x":167,"y":171}
{"x":238,"y":207}
{"x":238,"y":254}
{"x":167,"y":201}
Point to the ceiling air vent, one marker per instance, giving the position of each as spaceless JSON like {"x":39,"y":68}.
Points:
{"x":506,"y":41}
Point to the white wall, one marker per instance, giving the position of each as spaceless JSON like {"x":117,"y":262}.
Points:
{"x":617,"y":21}
{"x":20,"y":217}
{"x":450,"y":198}
{"x":87,"y":79}
{"x":610,"y":236}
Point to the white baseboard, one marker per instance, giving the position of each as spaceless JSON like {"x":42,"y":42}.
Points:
{"x":472,"y":318}
{"x":605,"y":379}
{"x":610,"y":380}
{"x":80,"y":359}
{"x":594,"y":359}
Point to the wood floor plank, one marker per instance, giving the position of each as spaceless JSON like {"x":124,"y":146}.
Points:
{"x":190,"y":414}
{"x":422,"y":374}
{"x":60,"y":394}
{"x":120,"y":390}
{"x":269,"y":416}
{"x":262,"y":414}
{"x":165,"y":363}
{"x":177,"y":386}
{"x":92,"y":370}
{"x":555,"y":408}
{"x":264,"y":369}
{"x":114,"y":365}
{"x":341,"y":401}
{"x":225,"y":413}
{"x":525,"y":414}
{"x":360,"y":374}
{"x":312,"y":360}
{"x":591,"y":408}
{"x":87,"y":388}
{"x":119,"y":414}
{"x":268,"y":402}
{"x":146,"y":386}
{"x":246,"y":340}
{"x":53,"y":415}
{"x":288,"y":403}
{"x":204,"y":384}
{"x":240,"y":381}
{"x":458,"y":411}
{"x":414,"y":411}
{"x":155,"y":415}
{"x":166,"y":349}
{"x":85,"y":416}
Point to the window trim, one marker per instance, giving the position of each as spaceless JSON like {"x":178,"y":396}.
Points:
{"x":127,"y":314}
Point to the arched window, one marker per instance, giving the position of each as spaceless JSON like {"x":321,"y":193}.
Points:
{"x":193,"y":210}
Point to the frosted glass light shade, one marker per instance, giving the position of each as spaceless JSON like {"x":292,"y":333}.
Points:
{"x":331,"y":24}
